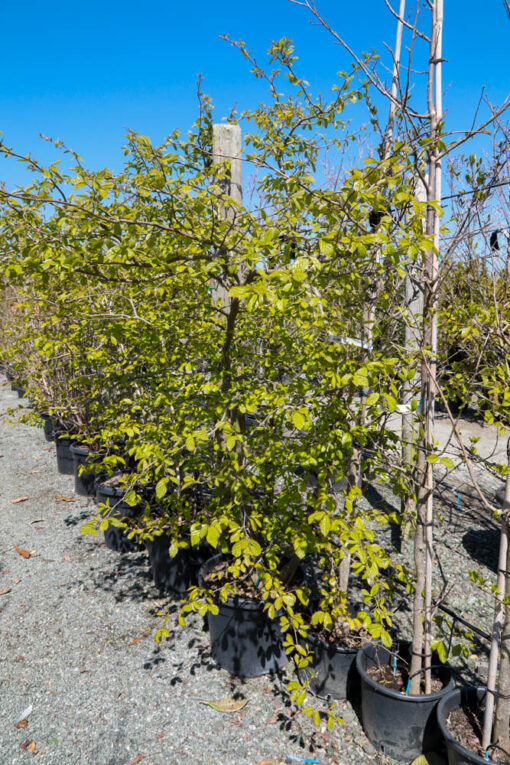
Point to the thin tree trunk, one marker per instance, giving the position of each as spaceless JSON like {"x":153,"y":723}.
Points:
{"x":422,"y":640}
{"x":496,"y":636}
{"x":502,"y":721}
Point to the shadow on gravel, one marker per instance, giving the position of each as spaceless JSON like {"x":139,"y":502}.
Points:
{"x":78,"y":518}
{"x":127,"y":578}
{"x":483,"y":546}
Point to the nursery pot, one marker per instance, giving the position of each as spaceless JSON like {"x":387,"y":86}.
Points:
{"x":244,"y":640}
{"x":117,"y":539}
{"x":332,"y":672}
{"x":399,"y":725}
{"x":460,"y":697}
{"x":176,"y":574}
{"x":65,"y":463}
{"x":49,"y":432}
{"x":84,"y":484}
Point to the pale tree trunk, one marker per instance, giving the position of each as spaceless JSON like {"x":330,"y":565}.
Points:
{"x":413,"y":297}
{"x":502,"y":722}
{"x":501,"y":735}
{"x":373,"y":289}
{"x":425,"y":509}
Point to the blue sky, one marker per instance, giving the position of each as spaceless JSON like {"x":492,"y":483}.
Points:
{"x":86,"y":72}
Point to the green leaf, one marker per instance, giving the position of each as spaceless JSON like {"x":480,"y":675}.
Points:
{"x":298,"y":420}
{"x":161,"y":488}
{"x":190,"y":443}
{"x":325,"y":525}
{"x":326,"y":248}
{"x":213,"y":535}
{"x":447,"y":462}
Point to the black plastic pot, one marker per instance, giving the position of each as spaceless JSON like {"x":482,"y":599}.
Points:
{"x":84,"y":483}
{"x":460,"y":697}
{"x":332,"y":672}
{"x":399,"y":725}
{"x":49,"y":432}
{"x":178,"y":574}
{"x":65,"y":462}
{"x":117,"y":539}
{"x":244,"y":640}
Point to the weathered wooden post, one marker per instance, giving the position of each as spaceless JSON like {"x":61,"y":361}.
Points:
{"x":227,"y":151}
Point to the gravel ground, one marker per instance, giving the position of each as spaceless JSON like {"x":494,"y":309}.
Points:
{"x":77,"y":643}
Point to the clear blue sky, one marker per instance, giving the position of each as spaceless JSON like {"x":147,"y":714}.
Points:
{"x":85,"y":72}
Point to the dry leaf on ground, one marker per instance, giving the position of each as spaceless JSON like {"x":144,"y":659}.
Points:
{"x":61,"y":498}
{"x":18,"y":499}
{"x":138,"y":758}
{"x":226,"y":705}
{"x":32,"y":747}
{"x":38,"y":520}
{"x":16,"y":580}
{"x":67,"y":558}
{"x":21,"y":551}
{"x":5,"y":591}
{"x":22,"y":723}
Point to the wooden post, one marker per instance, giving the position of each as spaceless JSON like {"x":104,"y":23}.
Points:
{"x":227,"y":150}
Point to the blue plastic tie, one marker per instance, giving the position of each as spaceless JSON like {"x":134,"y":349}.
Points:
{"x":458,"y":500}
{"x":290,"y":758}
{"x":394,"y":665}
{"x":486,"y":754}
{"x":408,"y":686}
{"x":257,"y":582}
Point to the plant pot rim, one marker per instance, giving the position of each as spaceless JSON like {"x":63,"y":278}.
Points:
{"x":80,"y":449}
{"x":382,"y":689}
{"x":312,"y":638}
{"x":233,"y":601}
{"x":480,"y":690}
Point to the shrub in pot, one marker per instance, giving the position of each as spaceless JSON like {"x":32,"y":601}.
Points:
{"x":119,"y":506}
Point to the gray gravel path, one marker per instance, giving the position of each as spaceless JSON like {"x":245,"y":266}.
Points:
{"x":66,"y":627}
{"x":74,"y":608}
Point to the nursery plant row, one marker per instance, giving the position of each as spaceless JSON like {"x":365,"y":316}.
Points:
{"x":224,"y":377}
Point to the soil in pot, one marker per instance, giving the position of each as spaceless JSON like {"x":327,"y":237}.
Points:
{"x":460,"y":718}
{"x":332,"y":672}
{"x":111,"y":494}
{"x":398,"y":724}
{"x":177,"y":574}
{"x":244,"y":640}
